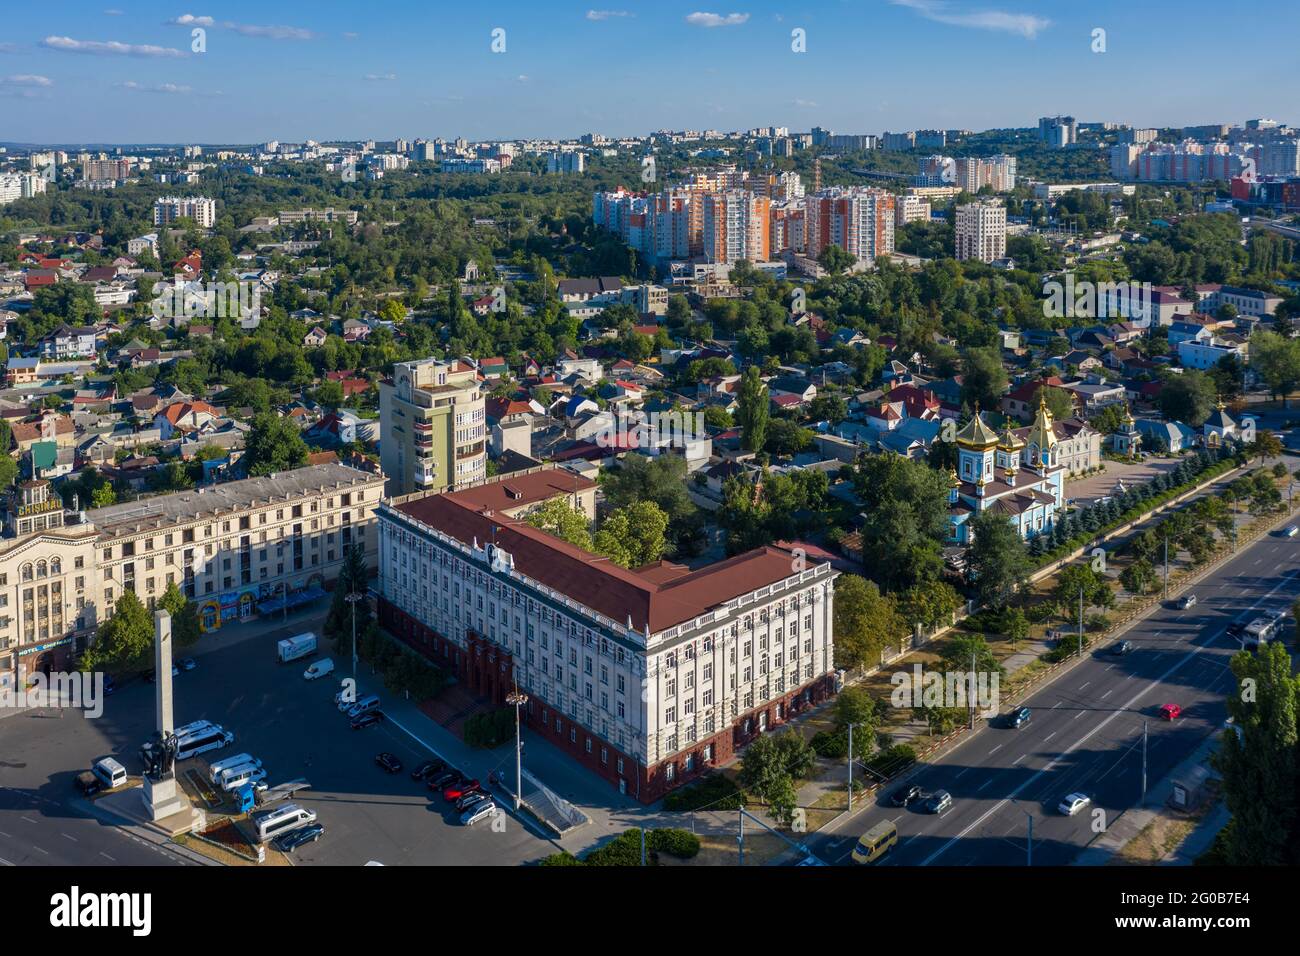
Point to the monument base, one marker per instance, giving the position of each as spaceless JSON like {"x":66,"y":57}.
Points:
{"x":162,"y":798}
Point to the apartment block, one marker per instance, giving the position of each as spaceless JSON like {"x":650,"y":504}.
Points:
{"x":981,"y":231}
{"x":737,"y":225}
{"x":170,"y":208}
{"x":647,"y":678}
{"x":860,"y":220}
{"x":434,"y":426}
{"x":105,"y":170}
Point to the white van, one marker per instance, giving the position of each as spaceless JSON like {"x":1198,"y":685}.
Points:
{"x":238,"y":760}
{"x":271,"y":823}
{"x":111,"y":773}
{"x":190,"y":729}
{"x":200,"y":743}
{"x":236,"y":777}
{"x":319,"y":669}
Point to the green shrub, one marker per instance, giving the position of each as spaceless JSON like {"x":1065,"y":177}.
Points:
{"x":674,"y":841}
{"x":561,"y":859}
{"x":831,"y":745}
{"x":893,"y":760}
{"x":715,"y":792}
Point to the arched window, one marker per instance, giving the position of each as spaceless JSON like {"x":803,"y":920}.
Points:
{"x":56,"y":566}
{"x":41,"y":569}
{"x":27,"y":572}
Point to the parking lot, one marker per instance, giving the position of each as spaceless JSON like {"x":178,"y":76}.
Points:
{"x":1085,"y":491}
{"x":294,"y":727}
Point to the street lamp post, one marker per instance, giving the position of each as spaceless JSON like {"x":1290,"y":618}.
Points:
{"x":518,"y":699}
{"x":352,"y":599}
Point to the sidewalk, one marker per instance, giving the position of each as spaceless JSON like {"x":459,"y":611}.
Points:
{"x":143,"y":833}
{"x":1130,"y":824}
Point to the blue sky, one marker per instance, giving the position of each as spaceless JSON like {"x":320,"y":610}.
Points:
{"x":123,"y":71}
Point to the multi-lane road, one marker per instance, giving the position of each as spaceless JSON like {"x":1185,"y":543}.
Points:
{"x":1086,"y":732}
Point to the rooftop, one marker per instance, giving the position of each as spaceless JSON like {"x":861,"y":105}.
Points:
{"x":184,"y":507}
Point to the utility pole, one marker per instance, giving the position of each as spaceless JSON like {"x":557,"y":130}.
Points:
{"x":1144,"y":761}
{"x":740,"y":838}
{"x":1081,"y":620}
{"x":970,"y":693}
{"x":850,"y":766}
{"x":352,"y":599}
{"x":518,"y":699}
{"x":1166,"y":593}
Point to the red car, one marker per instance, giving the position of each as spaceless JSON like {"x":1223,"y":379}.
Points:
{"x":1170,"y":711}
{"x":458,"y":790}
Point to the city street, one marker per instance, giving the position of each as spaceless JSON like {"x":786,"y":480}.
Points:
{"x":1086,"y":732}
{"x":291,"y":724}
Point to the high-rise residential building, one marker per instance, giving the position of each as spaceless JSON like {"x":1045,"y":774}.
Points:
{"x":911,"y":208}
{"x":1189,"y":162}
{"x":1139,"y":136}
{"x":435,"y":433}
{"x":859,"y":219}
{"x":20,"y":186}
{"x":566,"y":162}
{"x":105,"y":170}
{"x":647,"y":677}
{"x":931,"y":139}
{"x":788,"y":221}
{"x":981,"y":231}
{"x":1278,"y":158}
{"x":1058,"y":131}
{"x":1123,"y":160}
{"x":737,"y":225}
{"x":170,"y":208}
{"x":898,"y":142}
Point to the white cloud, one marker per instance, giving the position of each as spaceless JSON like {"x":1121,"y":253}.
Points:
{"x":608,"y":14}
{"x":26,"y":79}
{"x":272,"y":32}
{"x":805,"y":104}
{"x":381,"y":76}
{"x":171,"y":88}
{"x":942,"y":11}
{"x":716,"y":19}
{"x":523,"y":78}
{"x":108,"y":47}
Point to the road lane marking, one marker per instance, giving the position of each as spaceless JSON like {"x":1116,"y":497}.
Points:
{"x":959,"y":776}
{"x":1107,"y":694}
{"x":1085,"y":684}
{"x":995,"y":750}
{"x":1086,"y":737}
{"x":1060,"y":702}
{"x":1049,"y":736}
{"x":106,"y":856}
{"x":1018,"y":759}
{"x":984,"y":784}
{"x":66,"y":837}
{"x":1079,"y":714}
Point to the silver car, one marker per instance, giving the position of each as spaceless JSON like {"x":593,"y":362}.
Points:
{"x":480,"y":811}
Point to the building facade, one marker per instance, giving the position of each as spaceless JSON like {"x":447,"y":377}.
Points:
{"x":434,"y":426}
{"x":860,"y":220}
{"x":981,"y":231}
{"x":647,"y":677}
{"x":170,"y":208}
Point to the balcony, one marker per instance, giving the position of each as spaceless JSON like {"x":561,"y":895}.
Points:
{"x":424,"y":474}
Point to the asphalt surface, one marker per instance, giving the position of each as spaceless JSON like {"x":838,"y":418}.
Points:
{"x":291,"y":724}
{"x":1085,"y":733}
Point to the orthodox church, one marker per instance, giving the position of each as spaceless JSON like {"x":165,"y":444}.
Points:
{"x":1020,"y":478}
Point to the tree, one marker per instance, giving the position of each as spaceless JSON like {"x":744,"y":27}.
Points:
{"x":185,"y":616}
{"x":353,"y":579}
{"x":998,"y":559}
{"x":274,"y":444}
{"x":963,"y":649}
{"x":786,"y":438}
{"x":1139,"y":577}
{"x":661,"y":480}
{"x":983,"y":377}
{"x":125,"y":640}
{"x":1015,"y":625}
{"x":866,"y":622}
{"x":1187,"y":398}
{"x":1258,"y":760}
{"x":905,"y":510}
{"x":1276,"y":359}
{"x":752,"y":410}
{"x":563,"y":520}
{"x":771,"y":765}
{"x":633,"y":536}
{"x":834,"y":259}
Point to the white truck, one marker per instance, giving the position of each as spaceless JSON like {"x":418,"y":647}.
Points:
{"x":106,"y":774}
{"x":293,"y":648}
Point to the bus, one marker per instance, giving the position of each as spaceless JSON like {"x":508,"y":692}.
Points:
{"x":271,"y":823}
{"x":214,"y":738}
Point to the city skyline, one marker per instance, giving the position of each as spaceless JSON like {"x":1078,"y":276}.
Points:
{"x":92,"y":73}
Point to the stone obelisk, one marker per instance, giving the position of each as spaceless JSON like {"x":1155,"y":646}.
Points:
{"x":160,"y":792}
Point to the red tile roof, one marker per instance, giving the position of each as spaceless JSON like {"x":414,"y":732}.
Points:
{"x":658,"y":599}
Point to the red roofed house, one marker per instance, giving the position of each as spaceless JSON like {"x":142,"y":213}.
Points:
{"x":183,"y":417}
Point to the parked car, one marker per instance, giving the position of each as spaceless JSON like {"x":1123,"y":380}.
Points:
{"x":906,"y":796}
{"x":388,"y":762}
{"x":1188,"y":601}
{"x":368,"y":719}
{"x":939,"y":801}
{"x":1170,"y":711}
{"x":1120,"y":648}
{"x":187,"y":663}
{"x":1290,"y":531}
{"x":427,"y":769}
{"x":344,"y":700}
{"x":458,"y":790}
{"x":1073,"y":803}
{"x":444,"y":779}
{"x":480,"y":811}
{"x":287,"y":842}
{"x":1018,"y":718}
{"x":469,"y":799}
